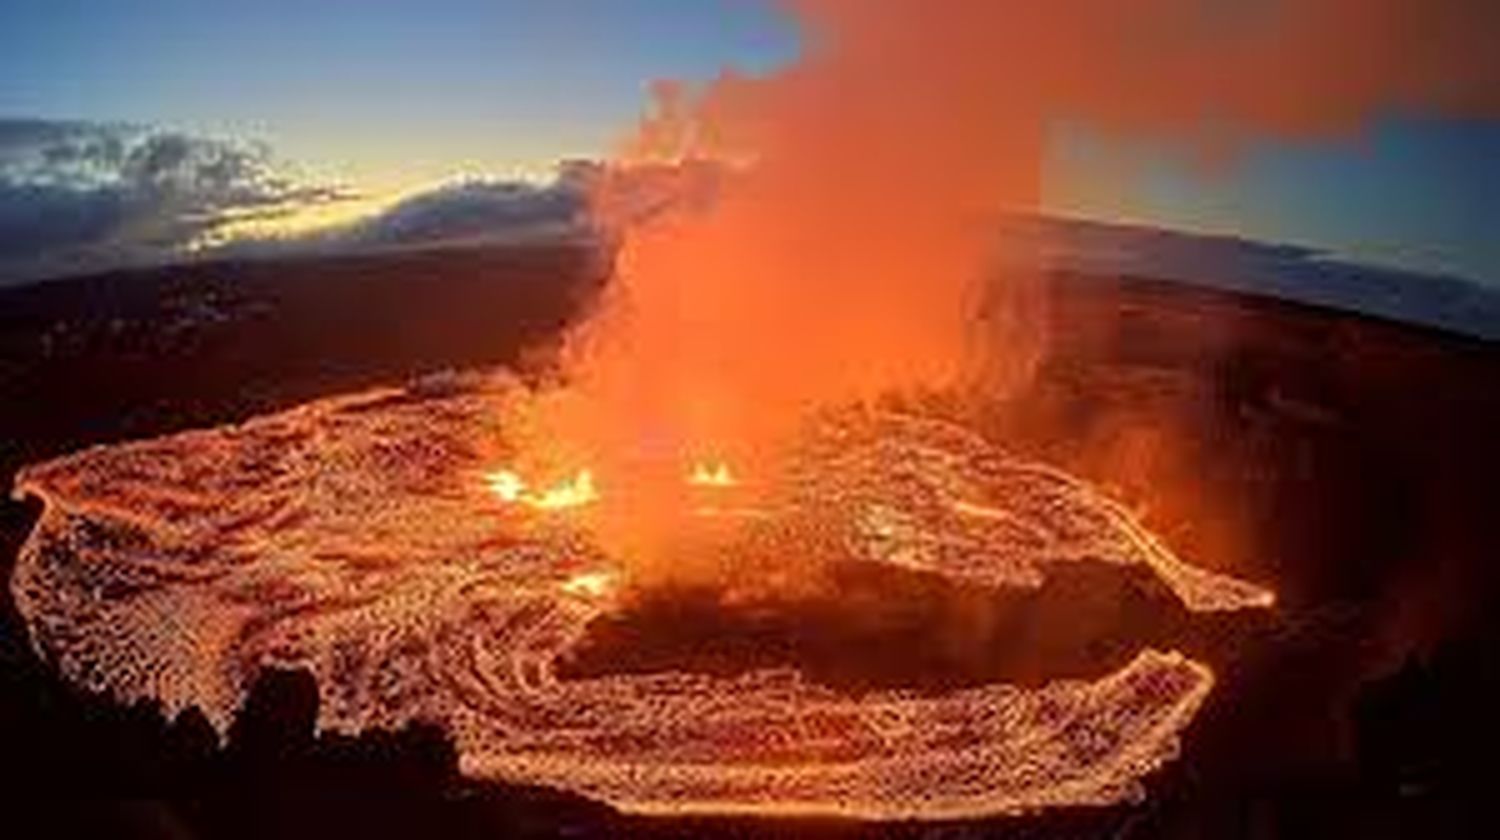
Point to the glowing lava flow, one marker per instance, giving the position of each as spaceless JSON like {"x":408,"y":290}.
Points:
{"x":717,"y":475}
{"x":575,"y":492}
{"x":349,"y":537}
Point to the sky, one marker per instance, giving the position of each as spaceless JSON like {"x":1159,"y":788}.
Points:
{"x":392,"y":97}
{"x":386,"y":93}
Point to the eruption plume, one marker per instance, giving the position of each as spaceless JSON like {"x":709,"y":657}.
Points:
{"x":852,"y":251}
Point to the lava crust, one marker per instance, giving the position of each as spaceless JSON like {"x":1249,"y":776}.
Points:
{"x":355,"y":538}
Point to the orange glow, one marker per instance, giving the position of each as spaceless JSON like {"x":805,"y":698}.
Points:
{"x":591,"y":584}
{"x":575,"y":492}
{"x":850,"y":247}
{"x":459,"y":619}
{"x":507,"y":485}
{"x":848,"y":253}
{"x":717,"y":475}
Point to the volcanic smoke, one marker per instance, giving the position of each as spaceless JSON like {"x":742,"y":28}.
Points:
{"x":851,"y":248}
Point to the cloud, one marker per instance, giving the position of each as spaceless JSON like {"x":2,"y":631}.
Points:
{"x":80,"y":197}
{"x":583,"y":196}
{"x":585,"y":202}
{"x":476,"y":209}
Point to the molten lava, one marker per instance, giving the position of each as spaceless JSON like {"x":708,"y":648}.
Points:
{"x":575,"y":492}
{"x":593,"y":584}
{"x":350,"y":538}
{"x":717,"y":475}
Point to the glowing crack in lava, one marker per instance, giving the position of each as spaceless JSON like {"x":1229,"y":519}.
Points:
{"x":575,"y":492}
{"x":370,"y":540}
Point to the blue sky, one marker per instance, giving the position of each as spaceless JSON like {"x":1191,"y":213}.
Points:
{"x":377,"y":89}
{"x":389,"y":95}
{"x":1420,"y":194}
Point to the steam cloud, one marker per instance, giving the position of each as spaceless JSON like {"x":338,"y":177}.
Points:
{"x":804,"y":281}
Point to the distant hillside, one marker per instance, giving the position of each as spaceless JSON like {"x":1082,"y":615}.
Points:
{"x":1289,"y":272}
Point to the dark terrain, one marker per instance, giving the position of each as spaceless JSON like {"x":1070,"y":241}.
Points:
{"x":1349,"y":463}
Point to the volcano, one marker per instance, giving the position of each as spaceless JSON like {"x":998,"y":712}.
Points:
{"x":1181,"y":418}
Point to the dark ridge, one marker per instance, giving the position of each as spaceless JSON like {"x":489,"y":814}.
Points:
{"x":129,"y":354}
{"x":888,"y":628}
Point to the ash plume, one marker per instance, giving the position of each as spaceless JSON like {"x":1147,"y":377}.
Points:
{"x":852,"y":252}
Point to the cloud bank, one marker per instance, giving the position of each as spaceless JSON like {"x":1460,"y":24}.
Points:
{"x":80,"y":197}
{"x":585,"y":201}
{"x":77,"y":197}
